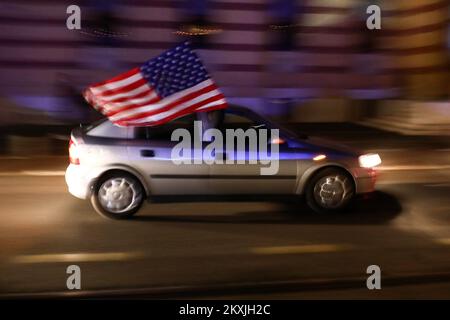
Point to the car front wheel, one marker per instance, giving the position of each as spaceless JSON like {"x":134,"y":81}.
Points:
{"x":117,"y":195}
{"x":330,"y":190}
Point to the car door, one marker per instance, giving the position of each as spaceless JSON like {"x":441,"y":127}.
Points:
{"x":247,"y":177}
{"x":150,"y":152}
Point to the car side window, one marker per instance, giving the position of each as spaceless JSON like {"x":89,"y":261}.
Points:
{"x":233,"y":121}
{"x":164,"y":132}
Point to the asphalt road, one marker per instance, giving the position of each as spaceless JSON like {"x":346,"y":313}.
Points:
{"x":254,"y":249}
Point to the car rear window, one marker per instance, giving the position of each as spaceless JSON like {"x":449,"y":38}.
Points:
{"x":164,"y":132}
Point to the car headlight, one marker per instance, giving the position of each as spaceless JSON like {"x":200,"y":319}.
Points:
{"x":369,"y":160}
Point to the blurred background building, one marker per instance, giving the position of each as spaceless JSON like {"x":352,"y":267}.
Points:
{"x":298,"y":60}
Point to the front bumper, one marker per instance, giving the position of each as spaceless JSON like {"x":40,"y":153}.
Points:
{"x":365,"y":179}
{"x":78,"y":181}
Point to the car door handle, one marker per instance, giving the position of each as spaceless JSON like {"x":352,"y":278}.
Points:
{"x":147,"y":153}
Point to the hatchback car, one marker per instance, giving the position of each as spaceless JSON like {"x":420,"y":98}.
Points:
{"x":117,"y":168}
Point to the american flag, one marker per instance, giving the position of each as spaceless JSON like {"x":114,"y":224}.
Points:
{"x":162,"y":89}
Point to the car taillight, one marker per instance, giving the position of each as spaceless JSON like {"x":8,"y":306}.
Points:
{"x":73,"y":153}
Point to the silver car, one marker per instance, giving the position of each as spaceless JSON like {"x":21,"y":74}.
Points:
{"x":117,"y":168}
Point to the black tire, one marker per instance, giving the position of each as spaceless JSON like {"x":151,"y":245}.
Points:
{"x":127,"y":212}
{"x":316,"y":195}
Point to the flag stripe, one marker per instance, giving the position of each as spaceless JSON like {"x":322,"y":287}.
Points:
{"x":122,"y":89}
{"x":117,"y":84}
{"x":136,"y":96}
{"x":198,"y":102}
{"x":217,"y":100}
{"x":128,"y":94}
{"x":221,"y":104}
{"x":117,"y":78}
{"x":165,"y":104}
{"x":180,"y":97}
{"x":116,"y":107}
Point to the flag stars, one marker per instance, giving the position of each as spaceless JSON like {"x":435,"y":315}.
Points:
{"x":174,"y":71}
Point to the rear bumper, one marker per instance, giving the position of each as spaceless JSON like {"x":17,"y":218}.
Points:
{"x":78,"y":181}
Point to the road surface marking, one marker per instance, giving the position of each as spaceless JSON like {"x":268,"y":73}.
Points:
{"x":444,"y":241}
{"x":35,"y":173}
{"x":7,"y":174}
{"x":437,"y":185}
{"x":425,"y":183}
{"x":413,"y":167}
{"x":387,"y":150}
{"x":309,"y":248}
{"x":43,"y":173}
{"x":77,"y":257}
{"x":405,"y":149}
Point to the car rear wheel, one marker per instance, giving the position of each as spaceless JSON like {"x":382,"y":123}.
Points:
{"x":330,"y":190}
{"x":118,"y":195}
